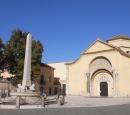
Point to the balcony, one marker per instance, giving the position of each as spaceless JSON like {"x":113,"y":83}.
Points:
{"x":56,"y":83}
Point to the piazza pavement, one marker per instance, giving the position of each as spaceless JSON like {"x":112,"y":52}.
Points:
{"x":77,"y":105}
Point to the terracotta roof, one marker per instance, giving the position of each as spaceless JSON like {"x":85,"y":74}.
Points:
{"x":119,"y":37}
{"x":46,"y":65}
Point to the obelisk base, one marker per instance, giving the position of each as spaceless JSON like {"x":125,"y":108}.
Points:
{"x":26,"y":83}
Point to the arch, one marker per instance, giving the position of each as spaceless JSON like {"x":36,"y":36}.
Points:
{"x":99,"y":63}
{"x":99,"y":77}
{"x":98,"y":58}
{"x":100,"y":71}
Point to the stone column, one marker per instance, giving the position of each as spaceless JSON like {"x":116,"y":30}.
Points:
{"x":117,"y":79}
{"x":18,"y":102}
{"x":88,"y":83}
{"x":114,"y":82}
{"x":117,"y":84}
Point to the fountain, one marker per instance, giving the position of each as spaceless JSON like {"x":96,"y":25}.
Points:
{"x":26,"y":89}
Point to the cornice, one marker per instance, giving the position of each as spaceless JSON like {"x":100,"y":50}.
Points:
{"x":98,"y":51}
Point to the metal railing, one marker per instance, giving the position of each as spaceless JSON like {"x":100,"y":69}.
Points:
{"x":56,"y":83}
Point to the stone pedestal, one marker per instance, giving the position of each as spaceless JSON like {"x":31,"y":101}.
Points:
{"x":25,"y":94}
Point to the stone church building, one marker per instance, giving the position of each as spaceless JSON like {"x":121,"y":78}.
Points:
{"x":103,"y":69}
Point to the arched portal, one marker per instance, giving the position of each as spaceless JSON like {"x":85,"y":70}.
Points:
{"x":102,"y":83}
{"x":100,"y":80}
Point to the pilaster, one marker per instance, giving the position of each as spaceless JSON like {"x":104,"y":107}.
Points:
{"x":88,"y":83}
{"x":114,"y":82}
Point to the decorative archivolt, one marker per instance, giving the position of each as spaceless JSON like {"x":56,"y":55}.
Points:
{"x":103,"y":78}
{"x":100,"y":63}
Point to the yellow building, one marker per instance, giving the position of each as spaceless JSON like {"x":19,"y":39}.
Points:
{"x":103,"y":69}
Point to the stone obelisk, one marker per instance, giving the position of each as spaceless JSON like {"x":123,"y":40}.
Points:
{"x":27,"y":62}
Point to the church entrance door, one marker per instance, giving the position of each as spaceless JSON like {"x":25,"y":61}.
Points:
{"x":103,"y":89}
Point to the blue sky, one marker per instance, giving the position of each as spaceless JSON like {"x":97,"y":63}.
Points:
{"x":65,"y":27}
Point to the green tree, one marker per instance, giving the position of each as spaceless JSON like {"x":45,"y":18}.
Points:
{"x":15,"y":53}
{"x":1,"y":55}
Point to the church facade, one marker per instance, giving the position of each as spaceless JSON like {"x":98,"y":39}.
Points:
{"x":103,"y":69}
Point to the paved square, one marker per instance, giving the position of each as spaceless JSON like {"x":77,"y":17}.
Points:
{"x":78,"y":105}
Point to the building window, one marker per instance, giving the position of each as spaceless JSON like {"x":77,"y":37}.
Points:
{"x":49,"y":90}
{"x":50,"y":79}
{"x":42,"y":79}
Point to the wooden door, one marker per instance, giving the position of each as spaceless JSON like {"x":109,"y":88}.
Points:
{"x":103,"y":89}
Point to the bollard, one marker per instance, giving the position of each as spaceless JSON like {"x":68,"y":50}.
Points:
{"x":44,"y":95}
{"x":18,"y":102}
{"x":0,"y":95}
{"x":42,"y":102}
{"x":7,"y":93}
{"x":63,"y":99}
{"x":59,"y":103}
{"x":1,"y":92}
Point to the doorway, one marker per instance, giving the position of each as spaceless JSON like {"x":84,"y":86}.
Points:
{"x":103,"y":89}
{"x":64,"y":88}
{"x":55,"y":90}
{"x":49,"y":90}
